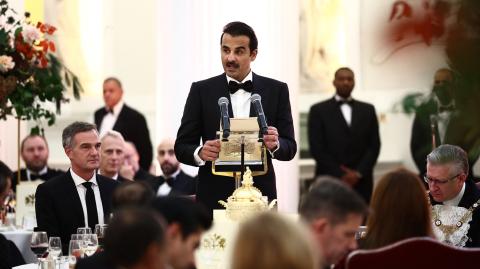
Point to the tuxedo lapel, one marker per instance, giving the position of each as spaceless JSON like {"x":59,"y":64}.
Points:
{"x":119,"y":123}
{"x":259,"y":89}
{"x":73,"y":198}
{"x":338,"y":115}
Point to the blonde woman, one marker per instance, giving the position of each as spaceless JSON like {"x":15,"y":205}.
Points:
{"x":270,"y":241}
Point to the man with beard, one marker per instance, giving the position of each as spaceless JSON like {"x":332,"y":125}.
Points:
{"x":173,"y":181}
{"x":200,"y":121}
{"x":34,"y":151}
{"x":343,"y":136}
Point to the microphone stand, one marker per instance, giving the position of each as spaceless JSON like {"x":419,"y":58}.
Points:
{"x":242,"y":162}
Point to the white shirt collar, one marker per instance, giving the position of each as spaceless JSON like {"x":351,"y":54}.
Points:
{"x":42,"y":172}
{"x":78,"y":180}
{"x":114,"y":176}
{"x":456,"y":200}
{"x":339,"y":98}
{"x":117,"y":108}
{"x":247,"y":78}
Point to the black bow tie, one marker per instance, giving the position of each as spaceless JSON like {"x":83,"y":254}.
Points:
{"x":108,"y":110}
{"x":168,"y":180}
{"x":343,"y":102}
{"x":234,"y":86}
{"x":446,"y":108}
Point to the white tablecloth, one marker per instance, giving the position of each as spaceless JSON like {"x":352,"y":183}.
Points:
{"x":27,"y":266}
{"x":21,"y":238}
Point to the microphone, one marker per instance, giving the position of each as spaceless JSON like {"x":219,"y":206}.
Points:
{"x":256,"y":100}
{"x":225,"y":118}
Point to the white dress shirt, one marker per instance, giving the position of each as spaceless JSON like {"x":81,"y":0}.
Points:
{"x":110,"y":118}
{"x":346,"y":109}
{"x":82,"y":191}
{"x":456,"y":200}
{"x":240,"y":106}
{"x":31,"y":175}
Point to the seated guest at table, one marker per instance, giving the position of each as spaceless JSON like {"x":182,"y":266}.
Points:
{"x":399,"y":210}
{"x":269,"y":241}
{"x":131,"y":166}
{"x":187,"y":221}
{"x":34,"y":152}
{"x":111,"y":155}
{"x":134,"y":193}
{"x":173,"y":181}
{"x":80,"y":197}
{"x":135,"y":239}
{"x":10,"y":256}
{"x":454,"y":197}
{"x":333,"y":211}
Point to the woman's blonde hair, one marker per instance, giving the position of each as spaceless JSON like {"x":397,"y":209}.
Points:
{"x":270,"y":241}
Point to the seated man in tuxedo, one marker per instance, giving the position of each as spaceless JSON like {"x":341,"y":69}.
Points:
{"x":111,"y":155}
{"x":186,"y":223}
{"x":173,"y":181}
{"x":130,"y":168}
{"x":201,"y":116}
{"x":34,"y":152}
{"x":454,"y":197}
{"x":80,"y":197}
{"x":116,"y":115}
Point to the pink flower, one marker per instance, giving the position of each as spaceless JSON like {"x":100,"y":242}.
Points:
{"x":30,"y":33}
{"x":6,"y":63}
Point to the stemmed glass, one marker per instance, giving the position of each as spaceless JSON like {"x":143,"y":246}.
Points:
{"x":91,"y":242}
{"x":84,"y":230}
{"x":100,"y":230}
{"x":54,"y":247}
{"x":75,"y":249}
{"x":39,"y":243}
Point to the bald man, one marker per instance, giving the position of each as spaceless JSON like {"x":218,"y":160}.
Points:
{"x":439,"y":117}
{"x":173,"y":181}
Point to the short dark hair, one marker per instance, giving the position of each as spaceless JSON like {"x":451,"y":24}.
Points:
{"x":130,"y":232}
{"x":331,"y":199}
{"x":71,"y":130}
{"x":191,"y":216}
{"x":135,"y":193}
{"x":114,"y":79}
{"x":343,"y":69}
{"x":238,"y":28}
{"x":32,"y":136}
{"x":5,"y":176}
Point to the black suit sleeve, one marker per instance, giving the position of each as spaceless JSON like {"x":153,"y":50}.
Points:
{"x":420,"y":146}
{"x":143,"y":144}
{"x":373,"y":145}
{"x":45,"y":212}
{"x":317,"y":141}
{"x":189,"y":133}
{"x":286,"y":133}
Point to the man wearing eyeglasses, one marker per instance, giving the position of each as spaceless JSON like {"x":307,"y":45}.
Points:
{"x":455,"y":199}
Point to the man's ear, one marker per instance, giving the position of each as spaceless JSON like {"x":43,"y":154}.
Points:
{"x":320,"y":225}
{"x":68,"y":151}
{"x":253,"y":55}
{"x":173,"y":231}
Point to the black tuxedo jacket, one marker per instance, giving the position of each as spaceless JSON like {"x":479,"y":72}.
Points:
{"x":470,"y":196}
{"x":456,"y":134}
{"x":58,"y":208}
{"x":201,"y":119}
{"x":183,"y":184}
{"x":51,"y":173}
{"x":133,"y":126}
{"x":333,"y":143}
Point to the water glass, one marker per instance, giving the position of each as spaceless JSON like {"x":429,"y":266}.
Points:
{"x":54,"y":247}
{"x":75,"y":248}
{"x":91,"y":244}
{"x":84,"y":230}
{"x":100,"y":230}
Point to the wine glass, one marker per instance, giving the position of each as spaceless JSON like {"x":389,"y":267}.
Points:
{"x":39,"y":243}
{"x":100,"y":230}
{"x":54,"y":247}
{"x":75,"y":249}
{"x":84,"y":230}
{"x":91,"y":242}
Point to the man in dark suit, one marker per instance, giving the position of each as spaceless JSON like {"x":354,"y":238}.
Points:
{"x":343,"y":136}
{"x":438,"y":118}
{"x":34,"y":151}
{"x":454,"y":197}
{"x":173,"y":181}
{"x":129,"y":122}
{"x":201,"y":116}
{"x":111,"y":155}
{"x":80,"y":197}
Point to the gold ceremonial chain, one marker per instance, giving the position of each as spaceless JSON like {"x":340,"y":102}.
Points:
{"x":448,"y":230}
